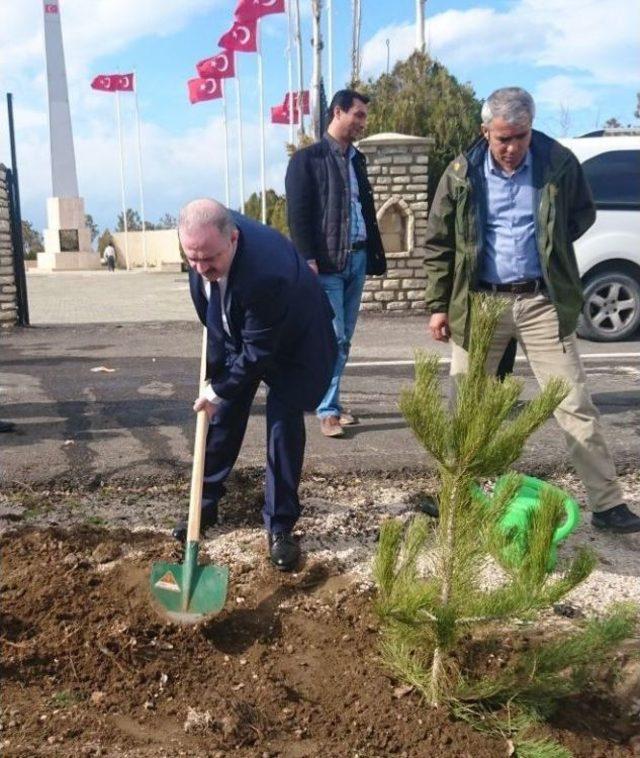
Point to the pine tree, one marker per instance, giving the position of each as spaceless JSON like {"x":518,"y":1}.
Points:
{"x":427,"y":613}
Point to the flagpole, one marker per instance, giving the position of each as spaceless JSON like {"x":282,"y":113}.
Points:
{"x":290,"y":74}
{"x":124,"y":210}
{"x":330,"y":43}
{"x":300,"y":73}
{"x":227,"y":194}
{"x":240,"y":160}
{"x":262,"y":146}
{"x":140,"y":181}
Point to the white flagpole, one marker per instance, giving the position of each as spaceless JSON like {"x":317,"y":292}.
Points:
{"x":124,"y":209}
{"x":240,"y":159}
{"x":227,"y":194}
{"x":261,"y":117}
{"x":298,"y":37}
{"x":140,"y":181}
{"x":290,"y":74}
{"x":330,"y":44}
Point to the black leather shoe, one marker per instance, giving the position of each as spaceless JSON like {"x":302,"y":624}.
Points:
{"x":284,"y":550}
{"x":208,"y":518}
{"x":619,"y":520}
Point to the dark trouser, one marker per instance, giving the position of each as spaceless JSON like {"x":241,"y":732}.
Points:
{"x":507,"y":362}
{"x":285,"y":452}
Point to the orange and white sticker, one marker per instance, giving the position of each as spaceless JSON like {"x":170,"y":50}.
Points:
{"x":168,"y":582}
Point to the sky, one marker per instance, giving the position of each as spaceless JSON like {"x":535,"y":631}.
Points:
{"x":579,"y":58}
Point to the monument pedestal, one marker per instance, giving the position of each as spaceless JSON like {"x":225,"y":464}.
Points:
{"x":67,"y":240}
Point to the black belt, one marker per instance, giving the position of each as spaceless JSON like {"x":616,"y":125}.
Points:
{"x":529,"y":286}
{"x":358,"y":246}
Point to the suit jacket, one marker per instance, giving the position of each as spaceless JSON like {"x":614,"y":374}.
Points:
{"x":279,"y":318}
{"x":318,"y":207}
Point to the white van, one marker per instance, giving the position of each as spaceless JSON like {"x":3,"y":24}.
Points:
{"x":608,"y":254}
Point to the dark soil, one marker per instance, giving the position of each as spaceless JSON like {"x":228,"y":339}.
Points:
{"x":289,"y":668}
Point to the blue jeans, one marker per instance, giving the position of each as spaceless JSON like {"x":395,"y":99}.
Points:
{"x":344,"y":291}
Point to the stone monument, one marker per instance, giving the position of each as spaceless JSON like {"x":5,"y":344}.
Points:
{"x":67,"y":240}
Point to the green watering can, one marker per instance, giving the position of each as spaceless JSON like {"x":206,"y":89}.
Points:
{"x":516,"y":518}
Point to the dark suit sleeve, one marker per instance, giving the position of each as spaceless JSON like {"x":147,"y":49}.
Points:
{"x":265,"y":314}
{"x":302,"y":197}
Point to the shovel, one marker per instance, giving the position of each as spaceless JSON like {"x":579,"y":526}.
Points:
{"x":188,"y":592}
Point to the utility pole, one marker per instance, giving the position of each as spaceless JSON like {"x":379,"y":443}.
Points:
{"x":355,"y":43}
{"x":420,"y":46}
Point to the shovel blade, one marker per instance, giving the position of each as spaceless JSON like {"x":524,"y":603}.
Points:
{"x":188,"y":592}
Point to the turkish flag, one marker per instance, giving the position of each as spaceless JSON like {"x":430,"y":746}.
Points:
{"x":241,"y":37}
{"x":280,"y":115}
{"x":251,"y":10}
{"x":221,"y":66}
{"x":204,"y":89}
{"x":50,"y":8}
{"x":296,"y":96}
{"x":113,"y":82}
{"x":106,"y":82}
{"x":125,"y":82}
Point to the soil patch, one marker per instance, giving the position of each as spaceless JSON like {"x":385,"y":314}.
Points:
{"x":290,"y":668}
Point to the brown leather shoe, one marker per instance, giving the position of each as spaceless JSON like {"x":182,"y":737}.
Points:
{"x":330,"y":426}
{"x":347,"y":419}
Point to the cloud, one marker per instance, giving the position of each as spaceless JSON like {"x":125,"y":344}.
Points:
{"x":176,"y":167}
{"x":595,"y":38}
{"x":564,"y":92}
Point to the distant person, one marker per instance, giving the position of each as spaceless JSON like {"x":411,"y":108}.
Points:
{"x":268,"y":320}
{"x":7,"y":426}
{"x":525,"y":196}
{"x":333,"y":225}
{"x":110,"y":256}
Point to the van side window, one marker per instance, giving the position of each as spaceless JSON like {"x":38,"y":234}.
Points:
{"x":614,"y":178}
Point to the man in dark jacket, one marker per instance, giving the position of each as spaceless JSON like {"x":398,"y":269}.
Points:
{"x":333,"y":225}
{"x":503,"y":220}
{"x":267,"y":320}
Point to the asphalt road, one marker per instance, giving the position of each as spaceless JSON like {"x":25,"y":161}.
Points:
{"x":75,"y":424}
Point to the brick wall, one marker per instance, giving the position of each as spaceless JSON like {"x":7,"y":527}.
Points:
{"x":398,"y":167}
{"x":8,"y":303}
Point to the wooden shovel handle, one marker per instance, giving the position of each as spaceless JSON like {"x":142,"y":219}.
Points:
{"x":197,"y":472}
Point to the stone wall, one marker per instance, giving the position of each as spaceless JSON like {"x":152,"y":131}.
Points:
{"x":8,"y":302}
{"x":398,"y":167}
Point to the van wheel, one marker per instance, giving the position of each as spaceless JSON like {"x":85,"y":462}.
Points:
{"x":611,"y":309}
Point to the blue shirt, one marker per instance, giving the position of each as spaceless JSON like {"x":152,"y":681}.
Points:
{"x":357,"y":228}
{"x":510,"y":252}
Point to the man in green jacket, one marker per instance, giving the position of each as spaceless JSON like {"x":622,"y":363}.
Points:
{"x":503,"y":220}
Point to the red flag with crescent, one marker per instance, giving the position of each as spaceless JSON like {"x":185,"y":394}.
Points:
{"x":50,"y":8}
{"x":125,"y":82}
{"x":204,"y":89}
{"x":113,"y":82}
{"x":221,"y":66}
{"x":296,"y":98}
{"x":241,"y":37}
{"x":251,"y":10}
{"x":105,"y":82}
{"x":280,"y":115}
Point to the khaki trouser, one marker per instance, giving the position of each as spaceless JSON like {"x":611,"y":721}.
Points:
{"x":533,"y":321}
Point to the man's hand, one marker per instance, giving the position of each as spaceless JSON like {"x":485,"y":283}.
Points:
{"x":439,"y":327}
{"x":204,"y":404}
{"x":313,"y":265}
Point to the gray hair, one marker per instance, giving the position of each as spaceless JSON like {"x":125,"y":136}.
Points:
{"x":514,"y":104}
{"x":206,"y":212}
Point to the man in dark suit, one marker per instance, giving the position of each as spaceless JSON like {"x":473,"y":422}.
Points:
{"x":268,"y":320}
